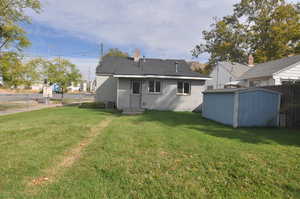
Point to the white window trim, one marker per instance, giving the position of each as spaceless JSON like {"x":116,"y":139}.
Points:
{"x":184,"y":94}
{"x":154,"y":93}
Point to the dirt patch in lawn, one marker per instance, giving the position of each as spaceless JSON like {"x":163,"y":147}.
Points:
{"x":69,"y":158}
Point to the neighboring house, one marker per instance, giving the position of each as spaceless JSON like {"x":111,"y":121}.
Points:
{"x":92,"y":86}
{"x":37,"y":86}
{"x":1,"y":80}
{"x":139,"y":83}
{"x":74,"y":87}
{"x":273,"y":73}
{"x":88,"y":86}
{"x":226,"y":74}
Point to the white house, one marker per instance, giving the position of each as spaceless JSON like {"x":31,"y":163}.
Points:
{"x":135,"y":83}
{"x":271,"y":73}
{"x":74,"y":87}
{"x":226,"y":74}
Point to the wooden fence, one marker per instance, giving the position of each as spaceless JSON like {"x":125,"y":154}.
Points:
{"x":290,"y":104}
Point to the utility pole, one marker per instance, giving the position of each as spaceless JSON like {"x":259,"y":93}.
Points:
{"x":89,"y":82}
{"x":102,"y":50}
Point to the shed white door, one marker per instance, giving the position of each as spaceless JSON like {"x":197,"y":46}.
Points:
{"x":135,"y":97}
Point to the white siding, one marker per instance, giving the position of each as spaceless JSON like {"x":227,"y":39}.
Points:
{"x":290,"y":73}
{"x":220,"y":77}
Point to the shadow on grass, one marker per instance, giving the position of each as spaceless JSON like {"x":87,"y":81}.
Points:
{"x":195,"y":121}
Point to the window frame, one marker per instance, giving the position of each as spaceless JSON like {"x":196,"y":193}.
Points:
{"x":183,"y":93}
{"x":154,"y":86}
{"x":140,"y":89}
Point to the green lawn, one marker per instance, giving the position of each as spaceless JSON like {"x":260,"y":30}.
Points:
{"x":154,"y":155}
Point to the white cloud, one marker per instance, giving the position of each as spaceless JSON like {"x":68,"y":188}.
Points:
{"x":164,"y":28}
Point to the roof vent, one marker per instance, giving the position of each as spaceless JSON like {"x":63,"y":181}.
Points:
{"x":176,"y":67}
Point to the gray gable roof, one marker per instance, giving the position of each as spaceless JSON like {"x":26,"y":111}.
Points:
{"x":269,"y":68}
{"x":235,"y":69}
{"x":126,"y":66}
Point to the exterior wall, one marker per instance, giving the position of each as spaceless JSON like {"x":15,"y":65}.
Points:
{"x":292,"y":73}
{"x":258,"y":108}
{"x":106,"y":89}
{"x":167,"y":99}
{"x":219,"y":107}
{"x":220,"y":77}
{"x":259,"y":82}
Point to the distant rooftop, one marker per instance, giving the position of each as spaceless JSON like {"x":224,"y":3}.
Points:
{"x":269,"y":68}
{"x":235,"y":69}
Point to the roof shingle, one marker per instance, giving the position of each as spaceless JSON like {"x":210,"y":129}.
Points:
{"x":235,"y":69}
{"x":127,"y":66}
{"x":269,"y":68}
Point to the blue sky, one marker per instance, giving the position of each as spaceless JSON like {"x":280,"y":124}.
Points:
{"x":160,"y":28}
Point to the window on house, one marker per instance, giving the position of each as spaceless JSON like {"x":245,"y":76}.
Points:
{"x":183,"y":88}
{"x":154,"y":86}
{"x":136,"y":87}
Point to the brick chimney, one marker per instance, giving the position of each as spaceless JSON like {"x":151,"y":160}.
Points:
{"x":250,"y":61}
{"x":137,"y":55}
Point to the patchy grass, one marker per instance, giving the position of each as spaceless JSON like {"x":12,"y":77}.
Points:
{"x":154,"y":155}
{"x":31,"y":142}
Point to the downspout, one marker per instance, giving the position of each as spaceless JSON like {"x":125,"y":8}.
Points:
{"x":118,"y":85}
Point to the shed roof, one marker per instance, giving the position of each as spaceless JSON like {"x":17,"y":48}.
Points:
{"x":160,"y":67}
{"x":269,"y":68}
{"x":239,"y":90}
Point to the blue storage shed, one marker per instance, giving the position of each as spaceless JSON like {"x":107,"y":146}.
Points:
{"x":242,"y":107}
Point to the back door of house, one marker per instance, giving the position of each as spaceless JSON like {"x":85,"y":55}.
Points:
{"x":136,"y":91}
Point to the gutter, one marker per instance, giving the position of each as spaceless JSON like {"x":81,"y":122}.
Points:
{"x":162,"y":77}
